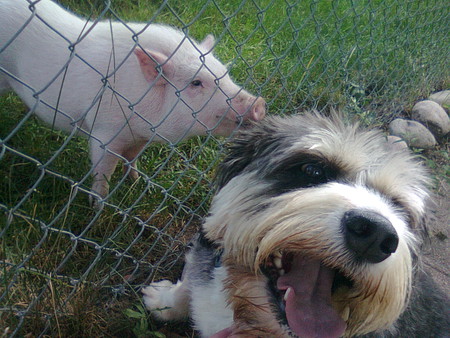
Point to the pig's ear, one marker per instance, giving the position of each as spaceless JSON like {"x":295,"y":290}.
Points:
{"x":150,"y":60}
{"x":208,"y":42}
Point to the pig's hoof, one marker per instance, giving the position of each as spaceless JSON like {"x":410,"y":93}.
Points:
{"x":131,"y":170}
{"x":134,"y":175}
{"x":95,"y":202}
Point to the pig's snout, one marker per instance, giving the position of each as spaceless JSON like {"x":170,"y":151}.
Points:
{"x":258,"y":110}
{"x":249,"y":107}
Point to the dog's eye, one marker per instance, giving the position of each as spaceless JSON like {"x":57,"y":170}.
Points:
{"x":313,"y":170}
{"x":301,"y":174}
{"x":196,"y":83}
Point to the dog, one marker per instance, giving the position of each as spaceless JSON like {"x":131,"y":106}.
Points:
{"x":315,"y":231}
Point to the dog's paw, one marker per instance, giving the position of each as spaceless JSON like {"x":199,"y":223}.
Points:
{"x":166,"y":301}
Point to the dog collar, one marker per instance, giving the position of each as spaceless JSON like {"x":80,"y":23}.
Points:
{"x":218,"y":258}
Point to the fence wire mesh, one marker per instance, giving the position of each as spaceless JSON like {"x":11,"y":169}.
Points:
{"x":72,"y":269}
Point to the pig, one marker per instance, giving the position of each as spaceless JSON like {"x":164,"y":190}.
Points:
{"x":121,"y":85}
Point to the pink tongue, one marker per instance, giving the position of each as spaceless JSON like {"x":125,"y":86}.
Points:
{"x":225,"y":333}
{"x":308,"y":304}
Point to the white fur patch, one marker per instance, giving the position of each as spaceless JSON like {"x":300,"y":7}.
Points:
{"x":210,"y":310}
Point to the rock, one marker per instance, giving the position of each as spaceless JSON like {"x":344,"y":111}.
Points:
{"x":396,"y":143}
{"x":433,"y":116}
{"x":413,"y":133}
{"x":442,"y":97}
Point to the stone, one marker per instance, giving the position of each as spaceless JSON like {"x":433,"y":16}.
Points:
{"x":442,"y":97}
{"x":413,"y":133}
{"x":433,"y":116}
{"x":396,"y":143}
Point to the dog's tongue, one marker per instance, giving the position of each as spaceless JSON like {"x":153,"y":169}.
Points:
{"x":308,"y":300}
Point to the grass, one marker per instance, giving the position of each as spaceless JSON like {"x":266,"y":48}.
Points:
{"x":68,"y":270}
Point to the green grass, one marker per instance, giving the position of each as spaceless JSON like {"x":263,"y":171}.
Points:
{"x":74,"y":269}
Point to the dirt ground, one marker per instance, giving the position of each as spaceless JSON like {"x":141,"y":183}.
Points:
{"x":437,"y":257}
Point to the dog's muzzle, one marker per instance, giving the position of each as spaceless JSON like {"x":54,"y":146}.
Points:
{"x":303,"y":286}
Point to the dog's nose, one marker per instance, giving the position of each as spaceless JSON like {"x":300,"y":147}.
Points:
{"x":369,"y":235}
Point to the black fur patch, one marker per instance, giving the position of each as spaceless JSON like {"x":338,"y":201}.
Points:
{"x":301,"y":171}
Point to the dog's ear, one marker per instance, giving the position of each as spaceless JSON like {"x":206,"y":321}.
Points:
{"x":268,"y":137}
{"x":240,"y":154}
{"x":246,"y":148}
{"x":423,"y":223}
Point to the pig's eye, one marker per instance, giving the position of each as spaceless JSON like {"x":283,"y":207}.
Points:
{"x":196,"y":83}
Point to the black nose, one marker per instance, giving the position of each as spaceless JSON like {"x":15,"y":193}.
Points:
{"x":369,"y":235}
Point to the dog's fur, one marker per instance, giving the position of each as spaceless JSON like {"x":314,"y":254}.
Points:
{"x":346,"y":212}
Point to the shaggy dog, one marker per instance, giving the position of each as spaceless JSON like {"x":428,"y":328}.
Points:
{"x":315,"y":231}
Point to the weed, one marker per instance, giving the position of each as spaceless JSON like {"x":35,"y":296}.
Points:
{"x":141,"y":329}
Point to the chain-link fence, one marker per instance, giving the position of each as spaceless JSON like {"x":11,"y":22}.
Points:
{"x":77,"y":241}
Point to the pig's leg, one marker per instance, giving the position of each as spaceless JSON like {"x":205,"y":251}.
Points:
{"x":4,"y":85}
{"x":130,"y":154}
{"x":104,"y":164}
